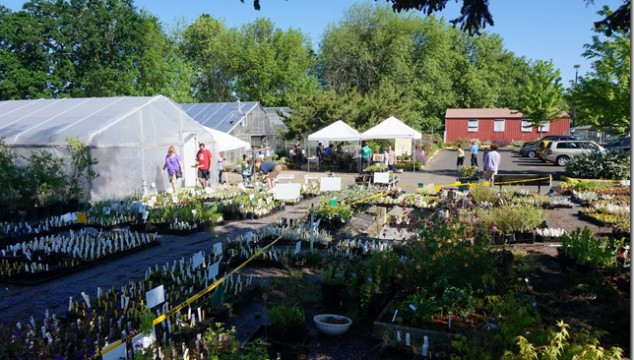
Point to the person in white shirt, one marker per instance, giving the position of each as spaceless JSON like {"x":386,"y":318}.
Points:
{"x":491,"y":163}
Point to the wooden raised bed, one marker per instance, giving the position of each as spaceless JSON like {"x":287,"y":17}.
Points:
{"x":383,"y":329}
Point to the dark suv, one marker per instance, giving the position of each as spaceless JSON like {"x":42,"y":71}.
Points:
{"x":620,"y":144}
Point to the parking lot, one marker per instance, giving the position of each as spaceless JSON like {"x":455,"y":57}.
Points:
{"x":444,"y":163}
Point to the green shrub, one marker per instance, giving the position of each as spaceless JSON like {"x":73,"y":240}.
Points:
{"x":468,"y":171}
{"x":585,"y":249}
{"x":560,"y":345}
{"x":285,"y":316}
{"x":514,"y":218}
{"x":480,"y":194}
{"x":600,"y":165}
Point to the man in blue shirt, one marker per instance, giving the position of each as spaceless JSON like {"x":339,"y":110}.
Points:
{"x":270,"y":169}
{"x":474,"y":153}
{"x":328,"y":151}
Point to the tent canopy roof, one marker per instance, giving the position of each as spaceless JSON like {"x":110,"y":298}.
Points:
{"x":219,"y":116}
{"x":48,"y":122}
{"x":391,"y":128}
{"x":338,"y":130}
{"x":226,"y":142}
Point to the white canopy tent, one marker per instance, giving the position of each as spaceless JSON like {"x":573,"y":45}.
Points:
{"x":226,"y":142}
{"x":392,"y":128}
{"x":129,"y":136}
{"x":337,"y":131}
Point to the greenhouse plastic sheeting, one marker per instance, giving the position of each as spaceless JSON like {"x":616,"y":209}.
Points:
{"x":129,"y":136}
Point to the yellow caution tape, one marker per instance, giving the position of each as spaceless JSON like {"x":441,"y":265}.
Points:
{"x":520,"y":181}
{"x":565,"y":178}
{"x":187,"y":302}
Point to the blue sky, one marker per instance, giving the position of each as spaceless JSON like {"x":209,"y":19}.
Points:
{"x":537,"y":29}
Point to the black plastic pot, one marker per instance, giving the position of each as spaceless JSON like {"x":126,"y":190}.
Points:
{"x":332,"y":295}
{"x":469,"y":180}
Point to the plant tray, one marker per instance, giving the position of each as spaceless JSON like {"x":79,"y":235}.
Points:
{"x":592,"y":220}
{"x":164,"y":229}
{"x":43,"y":277}
{"x":543,"y":239}
{"x":12,"y":240}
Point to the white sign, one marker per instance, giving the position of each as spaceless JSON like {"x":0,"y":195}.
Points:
{"x":68,"y":217}
{"x":155,"y":296}
{"x":381,"y":177}
{"x":298,"y":247}
{"x":287,"y":191}
{"x":218,"y":249}
{"x":403,"y":146}
{"x":197,"y":259}
{"x":329,"y":184}
{"x":212,"y":272}
{"x":142,"y":341}
{"x":116,"y":353}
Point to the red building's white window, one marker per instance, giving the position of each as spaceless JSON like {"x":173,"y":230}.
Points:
{"x":545,"y":127}
{"x":527,"y":126}
{"x":472,"y":125}
{"x":498,"y":125}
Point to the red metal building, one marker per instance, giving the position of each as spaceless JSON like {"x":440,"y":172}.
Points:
{"x":503,"y":125}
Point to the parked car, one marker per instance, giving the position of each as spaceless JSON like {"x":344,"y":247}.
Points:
{"x":530,"y":149}
{"x":619,"y":144}
{"x":561,"y":151}
{"x":545,"y":140}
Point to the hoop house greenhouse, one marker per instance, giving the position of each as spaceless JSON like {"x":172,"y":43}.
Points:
{"x":129,"y":136}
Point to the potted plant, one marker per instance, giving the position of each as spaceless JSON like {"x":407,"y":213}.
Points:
{"x":334,"y":278}
{"x":287,"y":324}
{"x":468,"y":174}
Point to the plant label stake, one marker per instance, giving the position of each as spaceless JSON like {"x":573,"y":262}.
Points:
{"x":395,"y":313}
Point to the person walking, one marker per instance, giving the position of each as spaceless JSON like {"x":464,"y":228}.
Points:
{"x":203,"y":158}
{"x":220,"y":165}
{"x":270,"y":169}
{"x":320,"y":155}
{"x":391,"y":159}
{"x":299,"y":152}
{"x":385,"y":153}
{"x":245,"y":168}
{"x":173,"y":166}
{"x":491,"y":163}
{"x":474,"y":153}
{"x":460,"y":159}
{"x":366,"y":155}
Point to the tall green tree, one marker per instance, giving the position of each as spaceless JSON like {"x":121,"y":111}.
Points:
{"x":85,"y":48}
{"x":257,"y":62}
{"x":271,"y":63}
{"x":208,"y":45}
{"x":542,"y":100}
{"x":370,"y":45}
{"x":24,"y":60}
{"x":602,"y":96}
